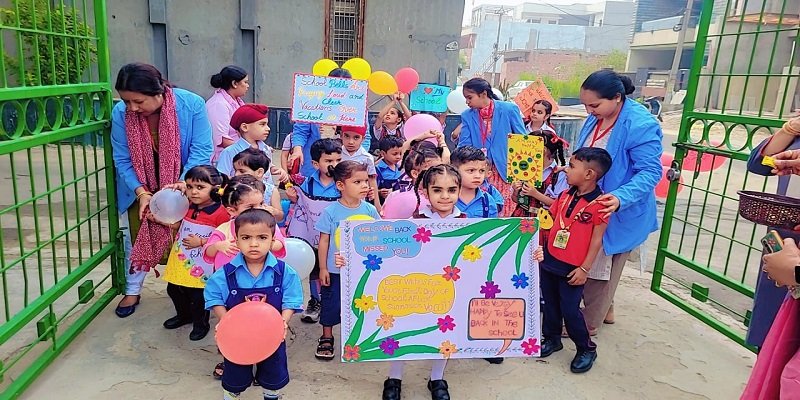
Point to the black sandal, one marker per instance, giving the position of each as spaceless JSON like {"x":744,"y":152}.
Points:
{"x":325,"y":346}
{"x":439,"y":390}
{"x":221,"y":368}
{"x":391,"y":389}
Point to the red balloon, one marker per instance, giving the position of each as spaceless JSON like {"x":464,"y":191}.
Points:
{"x":662,"y":188}
{"x":250,"y":332}
{"x":666,"y":159}
{"x":407,"y":79}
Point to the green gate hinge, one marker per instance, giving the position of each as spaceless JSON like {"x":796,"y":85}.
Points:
{"x":85,"y":291}
{"x":45,"y":327}
{"x":700,"y":292}
{"x":748,"y":316}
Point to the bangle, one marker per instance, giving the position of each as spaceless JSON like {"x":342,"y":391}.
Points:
{"x":139,"y":196}
{"x":788,"y":128}
{"x":584,"y":270}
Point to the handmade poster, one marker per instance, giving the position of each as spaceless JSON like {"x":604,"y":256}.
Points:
{"x":437,"y":289}
{"x":429,"y":97}
{"x":535,"y":91}
{"x":329,"y":100}
{"x":525,"y":158}
{"x":186,"y":267}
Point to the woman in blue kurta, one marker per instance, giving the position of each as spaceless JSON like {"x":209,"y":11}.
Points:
{"x":633,"y":138}
{"x":768,"y":297}
{"x":157,"y":134}
{"x":486,"y":125}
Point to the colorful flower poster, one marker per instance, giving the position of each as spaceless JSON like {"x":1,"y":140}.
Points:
{"x":525,"y":158}
{"x":433,"y":289}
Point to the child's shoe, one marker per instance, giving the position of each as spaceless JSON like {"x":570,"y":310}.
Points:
{"x":271,"y":394}
{"x":311,"y":313}
{"x":199,"y":331}
{"x":583,"y":361}
{"x":439,"y":390}
{"x":391,"y":389}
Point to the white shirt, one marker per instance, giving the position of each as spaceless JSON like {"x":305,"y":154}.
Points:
{"x":426,"y":211}
{"x":363,"y":157}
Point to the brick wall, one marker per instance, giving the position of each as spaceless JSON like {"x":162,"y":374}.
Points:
{"x":543,"y":62}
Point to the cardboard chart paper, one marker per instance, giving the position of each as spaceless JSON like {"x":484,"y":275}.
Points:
{"x":535,"y":91}
{"x":428,"y":97}
{"x":186,"y":267}
{"x":433,"y":289}
{"x":525,"y":158}
{"x":329,"y":100}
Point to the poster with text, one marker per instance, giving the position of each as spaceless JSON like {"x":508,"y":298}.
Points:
{"x":428,"y":97}
{"x":535,"y":91}
{"x":525,"y":158}
{"x":329,"y":100}
{"x":433,"y":289}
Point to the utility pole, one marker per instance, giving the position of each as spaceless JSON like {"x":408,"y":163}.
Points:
{"x":500,"y":12}
{"x":676,"y":60}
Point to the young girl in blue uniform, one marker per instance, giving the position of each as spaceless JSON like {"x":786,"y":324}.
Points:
{"x":255,"y":275}
{"x":353,"y":182}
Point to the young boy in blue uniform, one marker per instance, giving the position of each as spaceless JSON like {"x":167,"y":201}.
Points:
{"x":572,"y":246}
{"x":473,"y":201}
{"x":255,"y":275}
{"x":389,"y":171}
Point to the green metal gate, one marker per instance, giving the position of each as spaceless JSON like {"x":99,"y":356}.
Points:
{"x":742,"y":86}
{"x":59,"y":243}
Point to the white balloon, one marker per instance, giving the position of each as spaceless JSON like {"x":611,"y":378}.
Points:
{"x":456,"y":101}
{"x":498,"y":93}
{"x":299,"y":256}
{"x":169,"y":206}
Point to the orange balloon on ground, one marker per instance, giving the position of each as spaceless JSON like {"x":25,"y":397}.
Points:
{"x":250,"y":332}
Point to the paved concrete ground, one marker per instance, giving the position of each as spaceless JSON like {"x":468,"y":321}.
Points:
{"x":654,"y":351}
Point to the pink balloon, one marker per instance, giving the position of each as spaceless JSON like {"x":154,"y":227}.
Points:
{"x":419,"y":124}
{"x":407,"y":79}
{"x":250,"y":332}
{"x":666,"y":159}
{"x":401,"y":205}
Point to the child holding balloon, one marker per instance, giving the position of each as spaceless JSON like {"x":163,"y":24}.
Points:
{"x":242,"y":193}
{"x":186,"y":271}
{"x":353,"y":182}
{"x":391,"y":117}
{"x":401,"y":202}
{"x":255,"y":274}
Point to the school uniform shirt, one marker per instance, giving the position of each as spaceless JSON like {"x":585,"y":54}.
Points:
{"x":482,"y":206}
{"x":220,"y":107}
{"x":217,"y":291}
{"x":387,"y":177}
{"x":304,"y":135}
{"x":495,"y":194}
{"x":581,"y":227}
{"x":425,"y":212}
{"x":225,"y":160}
{"x":227,"y":231}
{"x":560,"y":186}
{"x":361,"y":156}
{"x":287,"y":143}
{"x":329,"y":223}
{"x":319,"y":190}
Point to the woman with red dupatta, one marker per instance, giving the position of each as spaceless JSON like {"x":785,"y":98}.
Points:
{"x":157,"y":134}
{"x":486,"y":125}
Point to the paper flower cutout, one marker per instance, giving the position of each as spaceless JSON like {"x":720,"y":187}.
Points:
{"x":423,"y":235}
{"x":471,"y":253}
{"x":385,"y":321}
{"x":365,"y":303}
{"x":490,"y":289}
{"x":451,"y":273}
{"x":373,"y":262}
{"x":447,"y":349}
{"x":389,"y":345}
{"x":446,"y":324}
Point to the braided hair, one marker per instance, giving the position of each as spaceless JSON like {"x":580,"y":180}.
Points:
{"x":555,"y":144}
{"x":240,"y":186}
{"x":209,"y":175}
{"x":427,"y":178}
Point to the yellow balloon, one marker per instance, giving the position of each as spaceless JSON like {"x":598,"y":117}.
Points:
{"x":324,"y":66}
{"x":337,"y":236}
{"x":382,"y":83}
{"x":545,"y":219}
{"x":359,"y":68}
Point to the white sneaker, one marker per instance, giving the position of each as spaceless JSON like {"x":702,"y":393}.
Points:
{"x":311,"y":313}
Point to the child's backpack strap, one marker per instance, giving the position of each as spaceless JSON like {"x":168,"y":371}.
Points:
{"x":230,"y":276}
{"x":277,"y":279}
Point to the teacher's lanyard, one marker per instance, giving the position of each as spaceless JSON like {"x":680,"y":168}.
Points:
{"x":484,"y":130}
{"x":599,"y":135}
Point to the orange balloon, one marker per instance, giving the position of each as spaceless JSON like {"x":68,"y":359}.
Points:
{"x":250,"y":332}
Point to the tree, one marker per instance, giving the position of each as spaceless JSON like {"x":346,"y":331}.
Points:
{"x":53,"y":37}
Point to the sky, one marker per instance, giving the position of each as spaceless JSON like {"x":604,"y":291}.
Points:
{"x":469,"y":4}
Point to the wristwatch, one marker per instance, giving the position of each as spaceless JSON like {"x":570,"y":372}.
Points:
{"x":797,"y":273}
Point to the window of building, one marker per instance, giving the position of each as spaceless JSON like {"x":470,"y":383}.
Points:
{"x":344,"y":31}
{"x":535,"y":20}
{"x":552,"y":22}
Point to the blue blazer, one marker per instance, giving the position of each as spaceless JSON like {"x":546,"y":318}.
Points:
{"x":196,"y":145}
{"x":507,"y":119}
{"x":304,"y":135}
{"x":635,"y":148}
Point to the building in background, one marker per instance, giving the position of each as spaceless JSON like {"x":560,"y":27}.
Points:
{"x":189,"y":40}
{"x":577,"y":29}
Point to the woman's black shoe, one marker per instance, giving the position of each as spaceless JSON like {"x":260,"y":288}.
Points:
{"x":176,"y":322}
